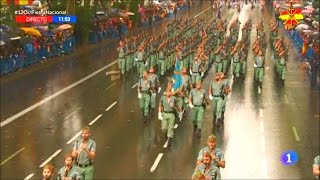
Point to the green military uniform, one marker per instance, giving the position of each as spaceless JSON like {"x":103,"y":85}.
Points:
{"x":282,"y":68}
{"x":243,"y":63}
{"x":258,"y":71}
{"x":161,"y":62}
{"x":198,"y":98}
{"x":168,"y":117}
{"x":217,"y":153}
{"x":152,"y":57}
{"x":74,"y":173}
{"x":236,"y":64}
{"x":316,"y":162}
{"x":195,"y":71}
{"x":133,"y":49}
{"x":83,"y":161}
{"x":224,"y":58}
{"x":218,"y":97}
{"x":122,"y":60}
{"x":186,"y":82}
{"x":140,"y":62}
{"x":218,"y":63}
{"x":154,"y":79}
{"x":144,"y":100}
{"x":212,"y":174}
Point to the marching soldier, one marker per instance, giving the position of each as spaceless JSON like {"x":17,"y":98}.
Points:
{"x":161,"y":59}
{"x":197,"y":102}
{"x":218,"y":60}
{"x":166,"y":114}
{"x":236,"y":62}
{"x":282,"y":66}
{"x":243,"y":58}
{"x":121,"y":57}
{"x":196,"y":70}
{"x":140,"y":60}
{"x":144,"y":90}
{"x":69,"y":170}
{"x":259,"y":64}
{"x":155,"y":86}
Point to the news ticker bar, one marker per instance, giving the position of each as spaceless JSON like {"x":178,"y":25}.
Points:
{"x":46,"y":19}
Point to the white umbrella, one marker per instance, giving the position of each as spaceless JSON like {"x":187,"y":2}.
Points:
{"x":130,"y":13}
{"x":2,"y":43}
{"x":296,"y":5}
{"x":15,"y":38}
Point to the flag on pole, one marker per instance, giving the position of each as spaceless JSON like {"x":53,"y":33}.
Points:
{"x":23,"y":2}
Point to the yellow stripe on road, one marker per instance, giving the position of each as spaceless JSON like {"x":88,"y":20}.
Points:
{"x":12,"y":156}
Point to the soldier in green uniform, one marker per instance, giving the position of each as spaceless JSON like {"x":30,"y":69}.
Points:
{"x":218,"y":60}
{"x":216,"y":153}
{"x":196,"y":70}
{"x":140,"y":60}
{"x":166,"y":114}
{"x":69,"y":171}
{"x":197,"y":101}
{"x":282,"y":66}
{"x":144,"y":90}
{"x":210,"y":171}
{"x":243,"y":58}
{"x":259,"y":64}
{"x":155,"y":87}
{"x":186,"y":86}
{"x":161,"y":58}
{"x":216,"y":94}
{"x":152,"y":57}
{"x":316,"y":167}
{"x":84,"y":150}
{"x":236,"y":63}
{"x":47,"y":172}
{"x":121,"y":57}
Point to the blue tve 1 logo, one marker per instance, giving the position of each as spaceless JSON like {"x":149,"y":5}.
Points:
{"x":289,"y":158}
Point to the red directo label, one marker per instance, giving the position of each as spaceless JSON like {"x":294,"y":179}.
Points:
{"x":33,"y":19}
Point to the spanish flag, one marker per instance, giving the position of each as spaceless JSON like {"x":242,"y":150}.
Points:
{"x":23,"y":2}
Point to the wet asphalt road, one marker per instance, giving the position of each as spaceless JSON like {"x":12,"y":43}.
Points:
{"x":258,"y":127}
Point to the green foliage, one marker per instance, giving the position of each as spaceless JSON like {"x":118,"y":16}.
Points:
{"x":133,"y":4}
{"x":84,"y":23}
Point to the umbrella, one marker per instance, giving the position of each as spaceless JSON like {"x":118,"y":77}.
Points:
{"x":4,"y":27}
{"x":4,"y":36}
{"x":302,"y":26}
{"x":296,"y":5}
{"x":307,"y":11}
{"x":64,"y":27}
{"x":2,"y":43}
{"x":123,"y":14}
{"x":130,"y":13}
{"x":31,"y":31}
{"x":15,"y":38}
{"x":100,"y":13}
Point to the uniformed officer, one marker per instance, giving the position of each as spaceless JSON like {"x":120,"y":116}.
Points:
{"x":47,"y":172}
{"x":282,"y":66}
{"x":218,"y":60}
{"x":69,"y":171}
{"x":196,"y":70}
{"x":187,"y":86}
{"x":210,"y":171}
{"x":84,"y":151}
{"x":243,"y":58}
{"x":144,"y":90}
{"x":316,"y":167}
{"x":140,"y":60}
{"x":121,"y":58}
{"x":166,"y":114}
{"x":216,"y":94}
{"x":236,"y":63}
{"x":155,"y":87}
{"x":259,"y":64}
{"x":216,"y":153}
{"x":197,"y":101}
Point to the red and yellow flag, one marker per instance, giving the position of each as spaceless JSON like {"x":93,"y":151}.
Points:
{"x":23,"y":2}
{"x":291,"y":17}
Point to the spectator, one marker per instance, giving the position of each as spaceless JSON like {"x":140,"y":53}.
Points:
{"x":316,"y":167}
{"x":47,"y":172}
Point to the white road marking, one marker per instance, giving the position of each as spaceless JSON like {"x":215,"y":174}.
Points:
{"x":74,"y":137}
{"x":259,"y":90}
{"x":156,"y":162}
{"x":12,"y":156}
{"x":50,"y":158}
{"x":202,"y":12}
{"x":29,"y":176}
{"x":176,"y":125}
{"x":295,"y":134}
{"x":261,"y":113}
{"x":286,"y":99}
{"x":134,"y":85}
{"x":261,"y":127}
{"x":166,"y":144}
{"x":93,"y":121}
{"x":112,"y":72}
{"x":71,"y":114}
{"x":265,"y":169}
{"x":114,"y":103}
{"x":14,"y":117}
{"x":113,"y":84}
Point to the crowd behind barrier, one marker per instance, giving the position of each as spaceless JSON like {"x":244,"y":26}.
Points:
{"x":46,"y":48}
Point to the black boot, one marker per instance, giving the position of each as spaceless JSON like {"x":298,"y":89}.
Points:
{"x":199,"y":133}
{"x":195,"y":128}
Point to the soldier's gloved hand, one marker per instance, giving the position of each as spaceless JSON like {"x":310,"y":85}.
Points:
{"x":185,"y":100}
{"x":139,"y":96}
{"x":180,"y":115}
{"x":190,"y":72}
{"x":254,"y":65}
{"x":154,"y":94}
{"x":159,"y":90}
{"x":191,"y":105}
{"x":160,"y":116}
{"x":136,"y":59}
{"x":202,"y":74}
{"x":267,"y":67}
{"x":210,"y":97}
{"x":146,"y":64}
